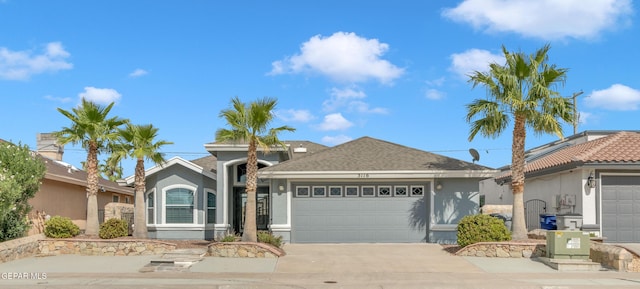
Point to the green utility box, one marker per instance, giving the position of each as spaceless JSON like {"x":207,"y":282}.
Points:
{"x":568,"y":245}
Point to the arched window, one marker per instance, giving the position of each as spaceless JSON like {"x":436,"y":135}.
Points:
{"x":179,"y":206}
{"x":211,"y":208}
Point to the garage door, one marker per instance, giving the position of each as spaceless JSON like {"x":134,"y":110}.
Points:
{"x":359,"y":220}
{"x":621,"y":209}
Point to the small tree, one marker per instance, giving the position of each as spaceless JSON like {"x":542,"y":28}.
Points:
{"x":20,"y":176}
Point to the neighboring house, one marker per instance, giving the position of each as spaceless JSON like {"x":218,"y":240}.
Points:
{"x":64,"y":188}
{"x":594,"y":173}
{"x":181,"y":199}
{"x":366,"y":190}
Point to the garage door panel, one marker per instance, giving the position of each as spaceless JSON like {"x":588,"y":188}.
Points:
{"x":621,"y":208}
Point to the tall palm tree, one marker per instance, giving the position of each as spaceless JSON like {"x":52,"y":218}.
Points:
{"x":249,"y":123}
{"x":522,"y":91}
{"x":94,"y":130}
{"x":138,"y":142}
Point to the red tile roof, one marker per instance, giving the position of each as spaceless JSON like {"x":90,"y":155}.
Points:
{"x":618,"y":148}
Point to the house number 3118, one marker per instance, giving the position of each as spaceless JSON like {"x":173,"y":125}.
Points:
{"x":363,"y":176}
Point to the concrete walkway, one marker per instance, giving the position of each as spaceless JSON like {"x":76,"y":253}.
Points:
{"x":312,"y":266}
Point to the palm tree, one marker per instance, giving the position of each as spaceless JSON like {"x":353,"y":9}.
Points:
{"x":520,"y":91}
{"x":94,"y":130}
{"x":138,"y":142}
{"x":249,"y":123}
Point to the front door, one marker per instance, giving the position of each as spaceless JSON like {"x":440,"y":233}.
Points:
{"x":262,"y":208}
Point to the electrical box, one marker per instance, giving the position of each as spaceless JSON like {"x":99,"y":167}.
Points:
{"x":568,"y":245}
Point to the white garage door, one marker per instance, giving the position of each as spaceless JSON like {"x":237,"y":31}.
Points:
{"x":621,"y":209}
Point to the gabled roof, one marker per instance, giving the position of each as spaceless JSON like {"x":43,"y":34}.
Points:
{"x":208,"y":163}
{"x":298,"y":148}
{"x":618,"y":148}
{"x":174,"y":161}
{"x":370,"y":154}
{"x":63,"y":172}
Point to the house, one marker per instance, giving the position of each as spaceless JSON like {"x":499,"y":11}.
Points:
{"x":63,"y":191}
{"x":365,"y":190}
{"x":595,"y":174}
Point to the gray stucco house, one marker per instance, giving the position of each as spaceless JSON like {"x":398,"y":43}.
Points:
{"x":365,"y":190}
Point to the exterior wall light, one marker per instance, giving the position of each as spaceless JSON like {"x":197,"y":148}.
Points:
{"x":591,"y":181}
{"x":438,"y":186}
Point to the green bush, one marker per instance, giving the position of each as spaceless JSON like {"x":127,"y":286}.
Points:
{"x":13,"y":226}
{"x":114,"y":228}
{"x":60,"y":227}
{"x":268,"y":238}
{"x":481,"y":228}
{"x":228,"y":238}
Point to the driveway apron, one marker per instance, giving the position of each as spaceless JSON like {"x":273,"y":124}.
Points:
{"x":370,"y":258}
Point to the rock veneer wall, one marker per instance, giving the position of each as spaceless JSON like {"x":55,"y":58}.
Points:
{"x":244,"y":250}
{"x":504,"y":250}
{"x":95,"y":247}
{"x":614,"y":257}
{"x":19,"y":248}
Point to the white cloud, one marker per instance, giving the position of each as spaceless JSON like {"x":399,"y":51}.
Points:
{"x":295,"y":115}
{"x":341,"y":97}
{"x":363,"y":107}
{"x":616,"y":97}
{"x":100,"y":95}
{"x":343,"y":57}
{"x":58,"y":99}
{"x":544,"y":19}
{"x":434,"y":94}
{"x":584,"y":117}
{"x":21,"y":65}
{"x":138,"y":72}
{"x":335,"y":121}
{"x":465,"y":63}
{"x":336,"y":140}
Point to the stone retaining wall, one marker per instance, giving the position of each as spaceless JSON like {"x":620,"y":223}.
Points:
{"x":504,"y":250}
{"x":94,"y":247}
{"x":614,"y":257}
{"x":244,"y":250}
{"x":19,"y":248}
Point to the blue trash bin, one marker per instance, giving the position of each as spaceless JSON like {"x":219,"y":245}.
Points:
{"x":548,"y":222}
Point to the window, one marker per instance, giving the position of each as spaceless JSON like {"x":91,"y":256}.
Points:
{"x":211,"y":208}
{"x":127,"y":200}
{"x":319,"y":192}
{"x":151,"y":204}
{"x":302,"y":191}
{"x":417,"y":191}
{"x":384,"y":191}
{"x":115,"y":198}
{"x":368,"y":191}
{"x":351,"y":191}
{"x":400,"y":191}
{"x":241,"y":173}
{"x":335,"y":191}
{"x":179,"y":206}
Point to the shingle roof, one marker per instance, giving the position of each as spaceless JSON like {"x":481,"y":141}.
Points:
{"x":67,"y":173}
{"x":369,"y":154}
{"x":309,"y":148}
{"x":209,"y":163}
{"x":618,"y":148}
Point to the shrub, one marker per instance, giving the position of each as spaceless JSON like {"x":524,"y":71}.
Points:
{"x":481,"y":228}
{"x":114,"y":228}
{"x":228,"y":238}
{"x":60,"y":227}
{"x":268,"y":238}
{"x":13,"y":226}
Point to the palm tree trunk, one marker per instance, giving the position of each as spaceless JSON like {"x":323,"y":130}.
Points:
{"x":139,"y":220}
{"x":250,"y":231}
{"x":92,"y":226}
{"x":517,"y":179}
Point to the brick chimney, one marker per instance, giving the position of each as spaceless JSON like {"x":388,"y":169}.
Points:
{"x":47,"y":145}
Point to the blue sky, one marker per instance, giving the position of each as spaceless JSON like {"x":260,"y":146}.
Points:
{"x":393,"y":70}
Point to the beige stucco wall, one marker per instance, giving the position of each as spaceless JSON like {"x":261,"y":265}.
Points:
{"x":57,"y":198}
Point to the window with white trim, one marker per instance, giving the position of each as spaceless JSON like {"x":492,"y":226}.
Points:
{"x":319,"y":191}
{"x":368,"y":191}
{"x":351,"y":191}
{"x":151,"y":207}
{"x":302,"y":192}
{"x":384,"y":191}
{"x":115,"y":198}
{"x":179,"y":207}
{"x":211,"y":208}
{"x":335,"y":191}
{"x":400,"y":191}
{"x":126,"y":199}
{"x":417,"y":191}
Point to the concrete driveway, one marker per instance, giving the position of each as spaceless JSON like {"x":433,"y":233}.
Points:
{"x":370,"y":258}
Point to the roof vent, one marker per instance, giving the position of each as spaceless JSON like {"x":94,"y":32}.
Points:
{"x":300,"y":150}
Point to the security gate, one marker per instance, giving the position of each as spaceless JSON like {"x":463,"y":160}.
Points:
{"x":532,"y":210}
